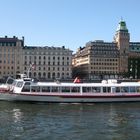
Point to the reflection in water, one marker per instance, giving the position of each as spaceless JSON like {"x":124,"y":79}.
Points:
{"x":69,"y":121}
{"x":17,"y":115}
{"x":117,"y":122}
{"x":123,"y":121}
{"x":116,"y":118}
{"x":17,"y":123}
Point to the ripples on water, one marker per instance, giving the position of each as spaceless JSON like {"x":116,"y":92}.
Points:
{"x":25,"y":121}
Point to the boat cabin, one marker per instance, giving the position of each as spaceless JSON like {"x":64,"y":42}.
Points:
{"x":27,"y":85}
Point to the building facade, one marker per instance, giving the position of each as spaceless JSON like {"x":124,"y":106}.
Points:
{"x":37,"y":62}
{"x":10,"y":56}
{"x":99,"y":59}
{"x":47,"y":62}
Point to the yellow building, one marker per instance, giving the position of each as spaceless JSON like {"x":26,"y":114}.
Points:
{"x":10,"y":56}
{"x":99,"y":59}
{"x":49,"y":62}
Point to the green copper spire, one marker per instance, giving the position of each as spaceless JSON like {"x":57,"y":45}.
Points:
{"x":122,"y":26}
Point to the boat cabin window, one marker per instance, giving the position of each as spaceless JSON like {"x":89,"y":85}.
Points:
{"x":10,"y":81}
{"x":124,"y":89}
{"x":96,"y":89}
{"x":26,"y":87}
{"x":14,"y":83}
{"x":35,"y":89}
{"x":19,"y":84}
{"x":118,"y":89}
{"x":75,"y":89}
{"x":55,"y":89}
{"x":65,"y":89}
{"x":86,"y":89}
{"x":92,"y":89}
{"x":106,"y":89}
{"x":27,"y":83}
{"x":132,"y":89}
{"x":137,"y":89}
{"x":45,"y":89}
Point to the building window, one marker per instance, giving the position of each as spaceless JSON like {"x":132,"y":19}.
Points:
{"x":39,"y":75}
{"x":34,"y":74}
{"x":49,"y":75}
{"x":44,"y":74}
{"x":53,"y":75}
{"x":30,"y":58}
{"x":58,"y":75}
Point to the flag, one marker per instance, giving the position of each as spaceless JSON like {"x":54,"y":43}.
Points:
{"x":32,"y":66}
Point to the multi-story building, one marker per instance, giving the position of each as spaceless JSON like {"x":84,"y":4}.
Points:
{"x":48,"y":62}
{"x":109,"y":59}
{"x":10,"y":56}
{"x":134,"y":60}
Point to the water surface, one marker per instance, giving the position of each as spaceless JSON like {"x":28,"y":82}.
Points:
{"x":35,"y":121}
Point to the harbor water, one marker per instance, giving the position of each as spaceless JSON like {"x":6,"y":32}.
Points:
{"x":42,"y":121}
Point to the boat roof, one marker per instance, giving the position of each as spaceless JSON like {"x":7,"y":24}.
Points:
{"x":102,"y":84}
{"x":86,"y":84}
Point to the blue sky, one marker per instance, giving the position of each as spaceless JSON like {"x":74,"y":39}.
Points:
{"x":71,"y":23}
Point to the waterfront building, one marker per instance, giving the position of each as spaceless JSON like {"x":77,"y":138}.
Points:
{"x":47,"y":62}
{"x":37,"y":62}
{"x":10,"y":56}
{"x":99,"y":59}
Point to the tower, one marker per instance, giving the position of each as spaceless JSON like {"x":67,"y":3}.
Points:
{"x":122,"y":39}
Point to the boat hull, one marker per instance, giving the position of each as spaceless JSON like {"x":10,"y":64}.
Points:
{"x":68,"y":98}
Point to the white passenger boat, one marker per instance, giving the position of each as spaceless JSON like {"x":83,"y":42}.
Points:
{"x":107,"y":91}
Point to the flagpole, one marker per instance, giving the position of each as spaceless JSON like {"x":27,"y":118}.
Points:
{"x":28,"y":71}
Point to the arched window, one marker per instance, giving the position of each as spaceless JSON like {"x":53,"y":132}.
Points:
{"x":49,"y":75}
{"x":39,"y":75}
{"x":53,"y":75}
{"x":58,"y":75}
{"x":34,"y":74}
{"x":44,"y":75}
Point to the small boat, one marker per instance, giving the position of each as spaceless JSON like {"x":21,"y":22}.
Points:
{"x":26,"y":89}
